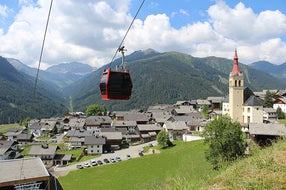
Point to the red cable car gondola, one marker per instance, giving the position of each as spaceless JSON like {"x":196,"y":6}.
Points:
{"x":116,"y":85}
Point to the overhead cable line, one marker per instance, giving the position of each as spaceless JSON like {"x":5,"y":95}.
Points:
{"x":42,"y":50}
{"x":119,"y":47}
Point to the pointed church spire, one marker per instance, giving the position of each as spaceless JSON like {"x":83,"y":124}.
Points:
{"x":235,"y":68}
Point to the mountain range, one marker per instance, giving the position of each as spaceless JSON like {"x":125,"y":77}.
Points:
{"x":157,"y":78}
{"x":20,"y":98}
{"x":168,"y":77}
{"x":58,"y":76}
{"x":278,"y":71}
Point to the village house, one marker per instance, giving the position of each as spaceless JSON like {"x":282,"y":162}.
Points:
{"x":140,"y":118}
{"x":25,"y":173}
{"x":269,"y":115}
{"x":262,"y":133}
{"x":46,"y":152}
{"x":75,"y":138}
{"x":113,"y":140}
{"x":7,"y":150}
{"x":62,"y":159}
{"x":216,"y":102}
{"x":94,"y":144}
{"x":128,"y":125}
{"x":76,"y":123}
{"x":175,"y":129}
{"x":183,"y":103}
{"x":200,"y":104}
{"x":24,"y":138}
{"x":280,"y":102}
{"x":41,"y":128}
{"x":96,"y":122}
{"x":161,"y":116}
{"x":148,"y":132}
{"x":12,"y":133}
{"x":183,"y":110}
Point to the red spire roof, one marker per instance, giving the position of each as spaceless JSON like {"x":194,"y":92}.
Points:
{"x":235,"y":68}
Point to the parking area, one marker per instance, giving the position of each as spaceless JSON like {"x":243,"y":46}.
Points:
{"x":132,"y":151}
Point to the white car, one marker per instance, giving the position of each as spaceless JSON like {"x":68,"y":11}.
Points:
{"x":93,"y":163}
{"x":112,"y":160}
{"x":86,"y":165}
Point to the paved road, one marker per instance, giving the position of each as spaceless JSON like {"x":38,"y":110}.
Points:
{"x":133,"y":151}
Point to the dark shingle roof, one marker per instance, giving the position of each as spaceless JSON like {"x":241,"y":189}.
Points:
{"x":253,"y":101}
{"x":247,"y":93}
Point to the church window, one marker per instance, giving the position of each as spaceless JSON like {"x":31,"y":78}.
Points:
{"x":239,"y":83}
{"x":235,"y":83}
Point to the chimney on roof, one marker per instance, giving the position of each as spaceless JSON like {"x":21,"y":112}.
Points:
{"x":45,"y":146}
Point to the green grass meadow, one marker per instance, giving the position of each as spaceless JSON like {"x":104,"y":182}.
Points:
{"x":4,"y":128}
{"x":172,"y":167}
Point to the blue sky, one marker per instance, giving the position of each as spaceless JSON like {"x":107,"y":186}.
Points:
{"x":89,"y":31}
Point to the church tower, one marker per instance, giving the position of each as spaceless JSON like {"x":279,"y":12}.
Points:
{"x":236,"y":91}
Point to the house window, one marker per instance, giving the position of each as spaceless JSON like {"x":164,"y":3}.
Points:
{"x":97,"y":146}
{"x":97,"y":151}
{"x":91,"y":151}
{"x":91,"y":146}
{"x":248,"y":110}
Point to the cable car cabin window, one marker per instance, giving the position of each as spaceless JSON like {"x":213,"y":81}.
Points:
{"x":119,"y":84}
{"x":103,"y":83}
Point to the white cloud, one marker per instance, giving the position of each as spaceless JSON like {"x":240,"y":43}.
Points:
{"x":3,"y":10}
{"x":90,"y":31}
{"x":184,"y":12}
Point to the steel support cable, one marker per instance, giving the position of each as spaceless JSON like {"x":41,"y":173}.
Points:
{"x":127,"y":32}
{"x":42,"y":49}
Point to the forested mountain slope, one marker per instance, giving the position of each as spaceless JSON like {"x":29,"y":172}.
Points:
{"x":167,"y":78}
{"x":17,"y":100}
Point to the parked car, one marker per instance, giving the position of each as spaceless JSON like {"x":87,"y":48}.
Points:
{"x":118,"y":159}
{"x":93,"y":163}
{"x":112,"y":160}
{"x":86,"y":165}
{"x":106,"y":160}
{"x":99,"y":162}
{"x":79,"y":166}
{"x":128,"y":157}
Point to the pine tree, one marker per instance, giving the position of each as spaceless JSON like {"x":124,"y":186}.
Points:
{"x":280,"y":113}
{"x":268,"y":100}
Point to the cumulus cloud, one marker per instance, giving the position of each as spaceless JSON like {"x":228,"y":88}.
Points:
{"x":90,"y":31}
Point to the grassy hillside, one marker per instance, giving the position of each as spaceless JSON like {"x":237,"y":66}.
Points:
{"x":184,"y":167}
{"x":266,"y":169}
{"x":184,"y":161}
